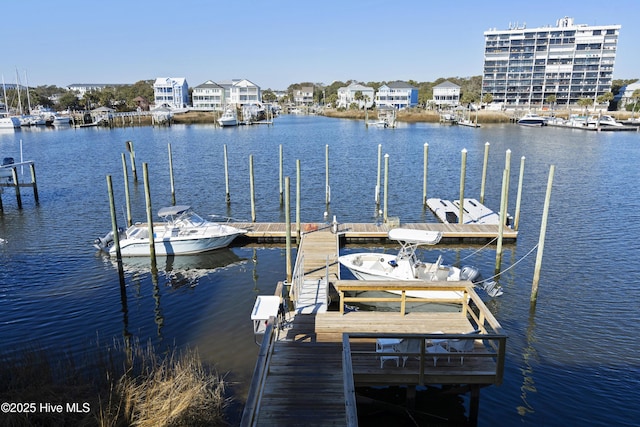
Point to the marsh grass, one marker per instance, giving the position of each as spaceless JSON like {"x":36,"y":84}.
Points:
{"x":118,"y":386}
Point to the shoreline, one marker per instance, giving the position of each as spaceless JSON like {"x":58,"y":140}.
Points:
{"x":406,"y":116}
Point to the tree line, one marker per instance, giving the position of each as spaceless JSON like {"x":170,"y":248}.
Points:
{"x":124,"y":97}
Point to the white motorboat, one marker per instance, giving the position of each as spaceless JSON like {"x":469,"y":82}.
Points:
{"x":532,"y":119}
{"x":229,"y":117}
{"x":6,"y":170}
{"x":406,"y":266}
{"x":183,"y":232}
{"x":603,"y":121}
{"x":9,"y":122}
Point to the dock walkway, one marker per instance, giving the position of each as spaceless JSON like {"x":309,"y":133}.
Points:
{"x":311,"y":360}
{"x":276,"y":232}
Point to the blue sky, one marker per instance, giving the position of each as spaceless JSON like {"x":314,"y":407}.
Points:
{"x":278,"y":42}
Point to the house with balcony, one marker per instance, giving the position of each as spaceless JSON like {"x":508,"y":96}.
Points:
{"x":398,"y":95}
{"x":171,"y":92}
{"x":303,"y":96}
{"x":356,"y":93}
{"x":209,"y":96}
{"x":241,"y":92}
{"x":446,"y":94}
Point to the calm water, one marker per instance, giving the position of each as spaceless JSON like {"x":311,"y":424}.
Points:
{"x":571,"y":361}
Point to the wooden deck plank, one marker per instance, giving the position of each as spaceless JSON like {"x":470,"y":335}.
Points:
{"x":355,"y":231}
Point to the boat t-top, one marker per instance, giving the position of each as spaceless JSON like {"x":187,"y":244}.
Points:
{"x":182,"y":232}
{"x":405,"y":265}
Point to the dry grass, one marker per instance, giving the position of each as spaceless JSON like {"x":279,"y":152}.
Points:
{"x":122,"y":386}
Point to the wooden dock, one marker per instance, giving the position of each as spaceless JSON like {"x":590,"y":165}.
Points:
{"x":311,"y":361}
{"x":353,"y":232}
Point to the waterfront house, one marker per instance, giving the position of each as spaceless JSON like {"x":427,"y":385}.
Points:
{"x":347,"y":96}
{"x":303,"y":96}
{"x":81,"y":88}
{"x":625,"y":93}
{"x":398,"y":95}
{"x":208,"y":96}
{"x":172,"y":92}
{"x":446,"y":94}
{"x":241,"y":92}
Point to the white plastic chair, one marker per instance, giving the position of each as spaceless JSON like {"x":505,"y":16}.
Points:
{"x":462,"y":345}
{"x":387,"y":345}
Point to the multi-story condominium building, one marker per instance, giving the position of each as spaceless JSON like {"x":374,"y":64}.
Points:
{"x":347,"y":95}
{"x":446,"y":94}
{"x":398,"y":95}
{"x":525,"y":66}
{"x":171,"y":92}
{"x":208,"y":96}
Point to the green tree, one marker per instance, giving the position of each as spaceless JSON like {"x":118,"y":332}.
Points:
{"x":487,"y":98}
{"x":585,"y":102}
{"x":605,"y":98}
{"x":68,"y":100}
{"x":268,"y":96}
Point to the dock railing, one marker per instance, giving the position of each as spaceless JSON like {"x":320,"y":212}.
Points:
{"x":481,"y":364}
{"x":463,"y":288}
{"x":252,"y":406}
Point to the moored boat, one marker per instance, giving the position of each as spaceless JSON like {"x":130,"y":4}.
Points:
{"x":182,"y":232}
{"x":405,"y":265}
{"x":532,"y":119}
{"x":229,"y":117}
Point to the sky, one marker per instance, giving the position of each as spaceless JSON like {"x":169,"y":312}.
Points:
{"x":279,"y":42}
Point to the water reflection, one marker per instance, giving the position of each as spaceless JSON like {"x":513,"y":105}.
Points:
{"x":183,"y":271}
{"x":529,"y":355}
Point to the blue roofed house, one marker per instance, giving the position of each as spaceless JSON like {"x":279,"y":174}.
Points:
{"x":398,"y":95}
{"x":171,"y":92}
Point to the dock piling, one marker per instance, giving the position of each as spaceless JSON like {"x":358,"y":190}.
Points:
{"x":386,"y":186}
{"x":484,"y":171}
{"x":326,"y":182}
{"x":173,"y":188}
{"x":252,"y":189}
{"x":543,"y":232}
{"x":425,"y":169}
{"x":226,"y":176}
{"x":147,"y":196}
{"x":463,"y":172}
{"x":132,"y":156}
{"x":516,"y":217}
{"x":126,"y":190}
{"x":114,"y":220}
{"x":377,"y":195}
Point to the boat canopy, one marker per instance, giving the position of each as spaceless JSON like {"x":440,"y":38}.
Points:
{"x":173,"y":210}
{"x":415,"y":237}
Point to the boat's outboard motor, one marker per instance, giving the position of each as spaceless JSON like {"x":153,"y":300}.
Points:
{"x":469,"y":272}
{"x":492,"y":289}
{"x":102,"y":243}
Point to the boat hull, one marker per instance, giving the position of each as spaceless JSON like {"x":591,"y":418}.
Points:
{"x":384,"y":267}
{"x":173,"y":246}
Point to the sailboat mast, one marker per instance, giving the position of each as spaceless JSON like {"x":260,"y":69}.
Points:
{"x":18,"y":90}
{"x":26,"y":82}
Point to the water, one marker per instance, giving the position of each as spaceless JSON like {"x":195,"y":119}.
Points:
{"x":571,"y":361}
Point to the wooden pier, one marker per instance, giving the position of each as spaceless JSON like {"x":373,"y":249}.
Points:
{"x":9,"y":179}
{"x":354,"y":232}
{"x":311,"y":361}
